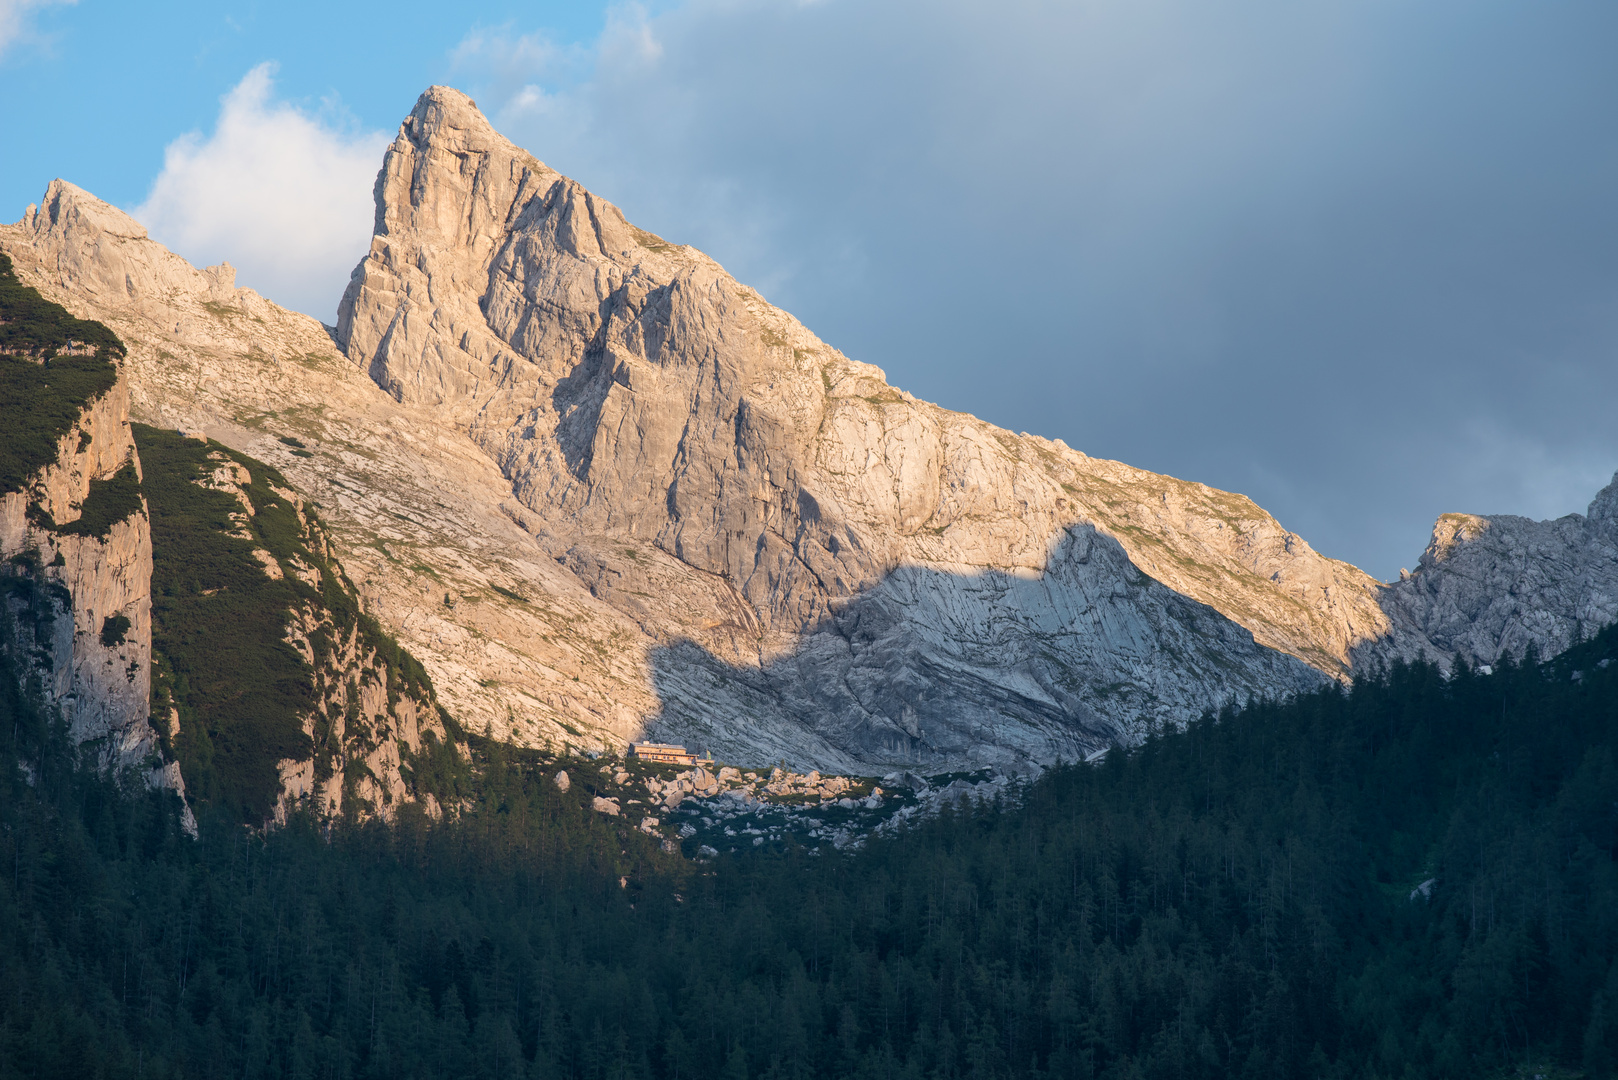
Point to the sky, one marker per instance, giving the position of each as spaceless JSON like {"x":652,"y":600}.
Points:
{"x":1356,"y":259}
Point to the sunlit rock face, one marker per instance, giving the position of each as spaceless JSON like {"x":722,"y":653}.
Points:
{"x":201,"y":355}
{"x":100,"y":682}
{"x":421,"y":518}
{"x":824,"y":567}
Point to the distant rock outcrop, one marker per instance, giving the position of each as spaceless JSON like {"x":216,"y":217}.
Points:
{"x":1493,"y":587}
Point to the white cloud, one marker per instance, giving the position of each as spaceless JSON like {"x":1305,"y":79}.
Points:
{"x":283,"y":195}
{"x":628,"y":38}
{"x":14,"y":20}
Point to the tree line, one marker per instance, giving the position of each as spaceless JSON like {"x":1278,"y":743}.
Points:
{"x":1415,"y":877}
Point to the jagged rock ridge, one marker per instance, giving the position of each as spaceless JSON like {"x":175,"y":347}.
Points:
{"x":677,"y":508}
{"x":901,"y":581}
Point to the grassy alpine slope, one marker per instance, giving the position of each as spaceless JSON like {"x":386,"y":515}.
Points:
{"x":243,"y":580}
{"x":241,"y":575}
{"x":1242,"y":899}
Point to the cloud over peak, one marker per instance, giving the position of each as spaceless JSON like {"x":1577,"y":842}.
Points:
{"x":283,"y":194}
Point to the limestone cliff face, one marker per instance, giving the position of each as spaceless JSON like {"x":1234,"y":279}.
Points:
{"x":84,"y":600}
{"x":1488,"y":588}
{"x":366,"y":718}
{"x":420,"y":517}
{"x":687,"y":448}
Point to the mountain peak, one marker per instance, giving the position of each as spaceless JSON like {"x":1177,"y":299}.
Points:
{"x":450,"y":121}
{"x":1604,"y":507}
{"x":68,"y":206}
{"x":708,"y":466}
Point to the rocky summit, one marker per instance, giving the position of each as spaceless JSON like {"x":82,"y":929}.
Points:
{"x":822,"y":567}
{"x":604,"y":491}
{"x":1488,"y":588}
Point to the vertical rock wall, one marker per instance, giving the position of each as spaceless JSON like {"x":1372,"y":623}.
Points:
{"x":82,"y":612}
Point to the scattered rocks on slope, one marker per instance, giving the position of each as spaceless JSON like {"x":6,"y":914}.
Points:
{"x":705,"y":813}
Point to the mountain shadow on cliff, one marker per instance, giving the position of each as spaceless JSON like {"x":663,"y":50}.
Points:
{"x":941,"y":669}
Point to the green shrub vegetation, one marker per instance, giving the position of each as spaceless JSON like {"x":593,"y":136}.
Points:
{"x":219,"y":627}
{"x":296,"y":446}
{"x":1241,"y":899}
{"x":110,"y":501}
{"x":113,"y":629}
{"x":34,"y":325}
{"x":44,"y":389}
{"x":222,"y":657}
{"x":30,"y":603}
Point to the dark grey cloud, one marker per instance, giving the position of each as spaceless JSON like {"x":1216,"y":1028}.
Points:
{"x":1357,"y":260}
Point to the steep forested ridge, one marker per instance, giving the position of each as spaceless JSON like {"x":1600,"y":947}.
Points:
{"x":1415,"y":879}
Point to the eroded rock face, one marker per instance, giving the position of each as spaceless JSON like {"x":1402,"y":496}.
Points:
{"x":101,"y":682}
{"x":423,"y":521}
{"x":882,"y":580}
{"x":992,"y":667}
{"x":1488,"y":588}
{"x":177,"y":323}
